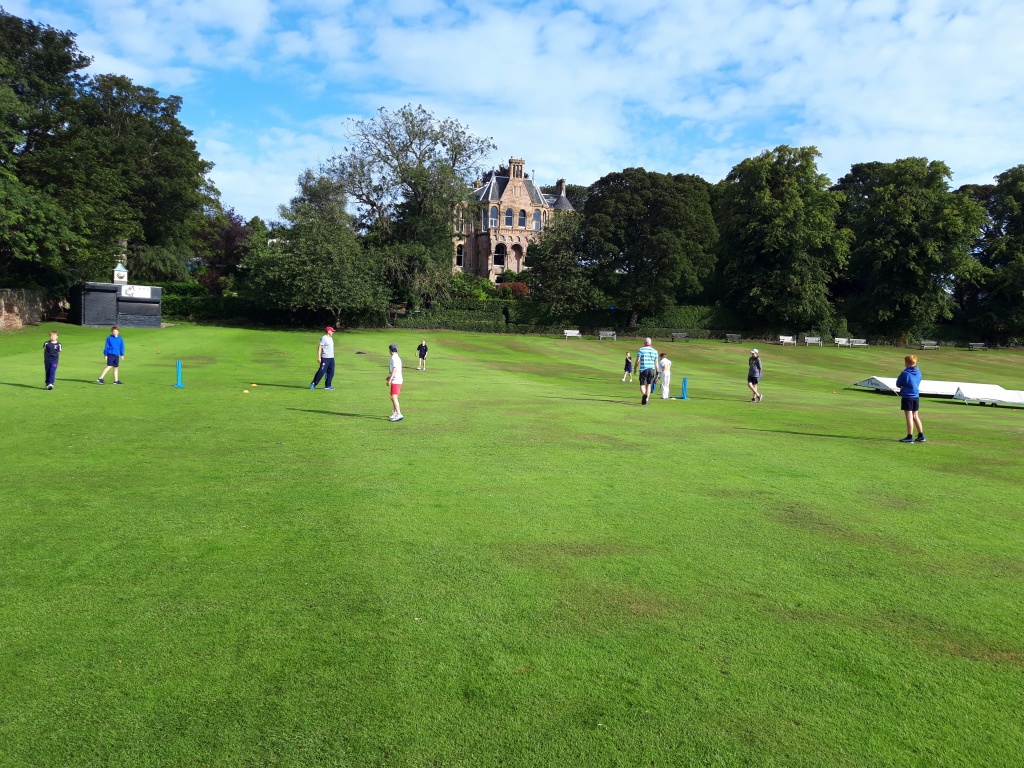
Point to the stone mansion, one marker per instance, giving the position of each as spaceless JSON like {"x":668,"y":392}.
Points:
{"x":510,"y":213}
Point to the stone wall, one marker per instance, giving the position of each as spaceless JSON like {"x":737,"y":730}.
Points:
{"x":19,"y":308}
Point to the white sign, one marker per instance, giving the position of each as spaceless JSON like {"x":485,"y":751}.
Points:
{"x":137,"y":291}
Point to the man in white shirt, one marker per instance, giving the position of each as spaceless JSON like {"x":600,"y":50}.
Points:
{"x":394,"y":380}
{"x":325,"y":359}
{"x":665,"y":374}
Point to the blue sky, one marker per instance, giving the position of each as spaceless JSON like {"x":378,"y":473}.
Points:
{"x":579,"y":88}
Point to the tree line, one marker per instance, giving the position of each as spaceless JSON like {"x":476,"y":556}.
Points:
{"x":94,"y":168}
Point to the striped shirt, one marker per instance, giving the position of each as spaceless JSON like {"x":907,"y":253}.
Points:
{"x":646,"y":358}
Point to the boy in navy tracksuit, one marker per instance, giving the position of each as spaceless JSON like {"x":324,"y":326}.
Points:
{"x":51,"y":353}
{"x":909,"y":383}
{"x":113,"y":351}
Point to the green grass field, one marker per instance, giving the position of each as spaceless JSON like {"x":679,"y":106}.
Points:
{"x":530,"y":570}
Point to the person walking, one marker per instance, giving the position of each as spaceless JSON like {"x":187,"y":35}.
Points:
{"x":909,"y":383}
{"x":629,"y":368}
{"x":51,"y":355}
{"x":394,"y":381}
{"x":325,"y":360}
{"x":113,"y":351}
{"x":421,"y":350}
{"x":665,"y":374}
{"x":647,"y":369}
{"x":754,"y":375}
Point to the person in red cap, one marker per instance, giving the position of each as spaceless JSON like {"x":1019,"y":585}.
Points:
{"x":325,"y":358}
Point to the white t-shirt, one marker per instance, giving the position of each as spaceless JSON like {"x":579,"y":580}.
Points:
{"x":326,"y":346}
{"x":665,"y":365}
{"x":396,"y":368}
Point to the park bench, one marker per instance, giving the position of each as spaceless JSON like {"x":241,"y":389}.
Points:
{"x":842,"y":341}
{"x":680,"y":337}
{"x":732,"y":337}
{"x":925,"y":344}
{"x":573,"y":335}
{"x":784,"y":340}
{"x":858,"y":342}
{"x":605,"y":335}
{"x":973,"y":345}
{"x":808,"y":340}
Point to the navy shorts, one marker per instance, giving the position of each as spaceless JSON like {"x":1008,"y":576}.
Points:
{"x":753,"y":380}
{"x":113,"y":360}
{"x":910,"y":403}
{"x":647,"y":377}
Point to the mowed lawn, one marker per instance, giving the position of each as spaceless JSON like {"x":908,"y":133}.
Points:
{"x":531,"y":570}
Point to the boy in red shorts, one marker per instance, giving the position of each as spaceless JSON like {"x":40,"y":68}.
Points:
{"x":394,"y":380}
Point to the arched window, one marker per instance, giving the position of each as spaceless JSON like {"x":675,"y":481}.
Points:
{"x":494,"y":217}
{"x":458,"y":256}
{"x":522,"y":219}
{"x":508,"y":217}
{"x":536,"y":221}
{"x":499,"y":255}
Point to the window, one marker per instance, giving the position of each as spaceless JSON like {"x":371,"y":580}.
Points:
{"x":483,"y":219}
{"x":458,"y":256}
{"x":499,"y":255}
{"x":508,"y":217}
{"x":522,"y":219}
{"x":494,"y":217}
{"x":536,"y":221}
{"x":460,"y":224}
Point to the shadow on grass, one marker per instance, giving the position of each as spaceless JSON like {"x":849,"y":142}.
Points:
{"x":592,"y":399}
{"x":338,"y":413}
{"x":820,"y":434}
{"x":282,"y":386}
{"x":43,"y":386}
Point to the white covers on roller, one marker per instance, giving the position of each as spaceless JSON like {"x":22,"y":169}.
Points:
{"x":968,"y":393}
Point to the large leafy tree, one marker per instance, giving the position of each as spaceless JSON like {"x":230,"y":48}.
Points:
{"x":913,"y":242}
{"x":406,"y":172}
{"x":780,"y":246}
{"x":649,"y":238}
{"x":559,"y":278}
{"x":101,"y":165}
{"x":993,"y":302}
{"x":316,"y":264}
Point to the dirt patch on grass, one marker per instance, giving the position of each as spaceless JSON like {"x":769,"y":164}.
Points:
{"x":814,"y":523}
{"x":198,"y":361}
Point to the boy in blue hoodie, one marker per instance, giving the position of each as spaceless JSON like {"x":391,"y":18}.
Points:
{"x":113,"y":350}
{"x":909,"y":383}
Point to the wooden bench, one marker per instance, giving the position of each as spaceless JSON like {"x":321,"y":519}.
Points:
{"x":784,"y":340}
{"x":680,"y":337}
{"x":858,"y":342}
{"x":606,"y":335}
{"x":732,"y":337}
{"x":842,"y":341}
{"x":973,"y":345}
{"x":573,"y":335}
{"x":925,"y":344}
{"x":808,"y":340}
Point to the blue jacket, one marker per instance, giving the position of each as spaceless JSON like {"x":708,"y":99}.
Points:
{"x":114,"y":346}
{"x":909,"y":382}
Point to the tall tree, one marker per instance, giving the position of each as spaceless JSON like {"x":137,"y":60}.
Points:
{"x":406,"y":173}
{"x":559,"y":279}
{"x":780,"y":246}
{"x":913,"y":241}
{"x":317,"y":265}
{"x":649,"y":237}
{"x":993,"y":302}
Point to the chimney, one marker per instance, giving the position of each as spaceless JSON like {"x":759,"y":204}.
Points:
{"x":560,"y":187}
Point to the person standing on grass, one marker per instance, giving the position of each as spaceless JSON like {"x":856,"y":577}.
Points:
{"x":629,"y":368}
{"x":754,"y":375}
{"x":665,"y":374}
{"x":325,"y":360}
{"x":909,"y":383}
{"x":113,"y":350}
{"x":647,"y":369}
{"x":421,"y":350}
{"x":394,"y":381}
{"x":51,"y":354}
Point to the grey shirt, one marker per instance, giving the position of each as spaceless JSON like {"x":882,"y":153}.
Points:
{"x":755,"y":367}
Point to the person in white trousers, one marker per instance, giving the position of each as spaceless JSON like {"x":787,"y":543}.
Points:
{"x":665,"y":374}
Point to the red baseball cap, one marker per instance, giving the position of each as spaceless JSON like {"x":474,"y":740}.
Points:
{"x":329,"y":329}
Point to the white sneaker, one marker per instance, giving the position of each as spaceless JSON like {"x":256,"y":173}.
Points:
{"x":398,"y":418}
{"x":392,"y":417}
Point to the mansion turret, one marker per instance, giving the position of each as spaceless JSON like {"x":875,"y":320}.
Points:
{"x":509,"y":215}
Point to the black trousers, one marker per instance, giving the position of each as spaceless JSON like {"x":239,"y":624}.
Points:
{"x":326,"y":369}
